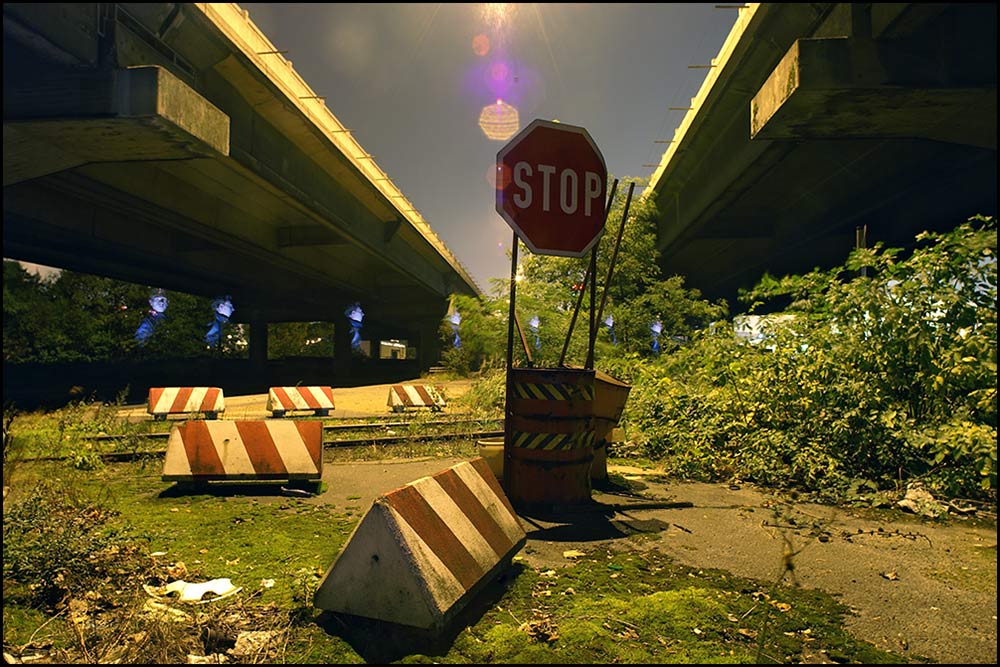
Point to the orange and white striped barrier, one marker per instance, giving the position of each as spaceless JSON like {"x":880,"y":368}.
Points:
{"x":201,"y":451}
{"x":424,"y":550}
{"x":403,"y":396}
{"x":285,"y":399}
{"x":165,"y":401}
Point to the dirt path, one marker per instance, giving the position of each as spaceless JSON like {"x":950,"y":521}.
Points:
{"x":918,"y":588}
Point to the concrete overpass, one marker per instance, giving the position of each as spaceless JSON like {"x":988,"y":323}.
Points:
{"x":172,"y":144}
{"x":817,"y":119}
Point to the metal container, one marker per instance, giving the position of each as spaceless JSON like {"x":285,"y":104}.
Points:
{"x":491,"y":449}
{"x":610,"y":395}
{"x":549,"y":436}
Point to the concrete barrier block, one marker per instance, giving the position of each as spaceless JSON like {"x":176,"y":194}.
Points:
{"x":164,"y":401}
{"x":403,"y":396}
{"x":202,"y":451}
{"x":281,"y":400}
{"x":424,"y":550}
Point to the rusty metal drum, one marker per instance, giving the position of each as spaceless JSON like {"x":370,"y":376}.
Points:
{"x":549,"y":436}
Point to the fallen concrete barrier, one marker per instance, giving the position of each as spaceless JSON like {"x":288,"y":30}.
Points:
{"x":424,"y":550}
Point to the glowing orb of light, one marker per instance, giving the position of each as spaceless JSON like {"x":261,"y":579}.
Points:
{"x":480,"y":44}
{"x":499,"y":122}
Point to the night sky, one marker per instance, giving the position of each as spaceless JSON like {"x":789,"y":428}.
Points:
{"x":412,"y":82}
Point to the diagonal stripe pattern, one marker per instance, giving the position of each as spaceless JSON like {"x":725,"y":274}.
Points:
{"x":402,"y":396}
{"x":422,"y":551}
{"x":544,"y":391}
{"x":185,"y":400}
{"x":244,"y":450}
{"x":318,"y":399}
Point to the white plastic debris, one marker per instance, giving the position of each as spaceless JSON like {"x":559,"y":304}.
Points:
{"x":190,"y":592}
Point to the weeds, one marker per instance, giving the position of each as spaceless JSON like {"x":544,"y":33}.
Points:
{"x":11,"y":454}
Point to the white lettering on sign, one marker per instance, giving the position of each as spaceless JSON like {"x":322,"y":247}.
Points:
{"x":519,"y":169}
{"x":547,"y":170}
{"x":568,"y":183}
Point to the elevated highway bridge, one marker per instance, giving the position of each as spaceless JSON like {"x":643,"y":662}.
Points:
{"x":171,"y":144}
{"x":820,"y":120}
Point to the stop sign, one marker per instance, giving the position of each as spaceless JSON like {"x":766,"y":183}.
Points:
{"x":551,"y":188}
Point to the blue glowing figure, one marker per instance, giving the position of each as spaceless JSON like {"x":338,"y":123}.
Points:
{"x":657,"y":328}
{"x":455,"y":319}
{"x":355,"y":315}
{"x":156,"y":314}
{"x":533,"y":323}
{"x":609,"y":321}
{"x":223,"y":309}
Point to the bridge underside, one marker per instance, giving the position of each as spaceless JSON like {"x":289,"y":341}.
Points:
{"x":823,"y":119}
{"x":142,"y":143}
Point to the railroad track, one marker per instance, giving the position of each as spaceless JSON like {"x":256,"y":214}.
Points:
{"x":331,"y":443}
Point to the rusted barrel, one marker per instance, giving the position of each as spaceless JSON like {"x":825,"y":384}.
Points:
{"x":610,"y":395}
{"x":549,"y":436}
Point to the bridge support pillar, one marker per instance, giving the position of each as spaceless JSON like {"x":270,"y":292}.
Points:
{"x":342,"y":349}
{"x":429,"y":346}
{"x":258,"y":341}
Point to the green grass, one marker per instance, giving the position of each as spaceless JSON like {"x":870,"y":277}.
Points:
{"x":632,"y":607}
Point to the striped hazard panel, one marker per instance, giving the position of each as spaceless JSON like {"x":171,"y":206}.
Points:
{"x":284,"y":399}
{"x":541,"y":391}
{"x":244,"y":450}
{"x":402,"y":396}
{"x":555,"y":434}
{"x":165,"y":401}
{"x":421,"y":551}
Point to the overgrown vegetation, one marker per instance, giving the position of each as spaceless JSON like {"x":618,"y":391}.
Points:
{"x":872,"y":382}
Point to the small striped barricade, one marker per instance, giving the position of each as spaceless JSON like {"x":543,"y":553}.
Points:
{"x":266,"y":450}
{"x":403,"y":396}
{"x":281,"y":400}
{"x":423,"y":551}
{"x":165,"y":401}
{"x":549,"y":436}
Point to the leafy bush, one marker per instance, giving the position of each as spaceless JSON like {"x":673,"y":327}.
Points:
{"x":56,"y":543}
{"x":883,"y":378}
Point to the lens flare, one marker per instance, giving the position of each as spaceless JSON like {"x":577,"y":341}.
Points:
{"x":499,"y":122}
{"x":497,"y":14}
{"x":480,"y":44}
{"x":499,"y":72}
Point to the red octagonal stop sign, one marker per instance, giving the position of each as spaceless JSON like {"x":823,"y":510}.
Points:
{"x":551,"y":188}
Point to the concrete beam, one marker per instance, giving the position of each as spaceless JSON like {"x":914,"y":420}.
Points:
{"x":308,"y":235}
{"x":141,"y":113}
{"x":844,"y":88}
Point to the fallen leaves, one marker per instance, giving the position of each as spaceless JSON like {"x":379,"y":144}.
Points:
{"x":541,"y":628}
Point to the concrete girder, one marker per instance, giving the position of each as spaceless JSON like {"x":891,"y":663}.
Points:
{"x":106,"y":116}
{"x":307,"y":235}
{"x":843,"y":88}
